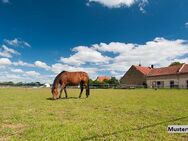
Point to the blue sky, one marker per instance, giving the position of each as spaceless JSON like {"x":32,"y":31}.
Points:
{"x":38,"y":39}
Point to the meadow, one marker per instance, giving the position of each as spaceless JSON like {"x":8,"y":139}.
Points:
{"x":110,"y":114}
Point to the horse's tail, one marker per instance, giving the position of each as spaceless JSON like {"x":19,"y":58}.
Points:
{"x":88,"y":89}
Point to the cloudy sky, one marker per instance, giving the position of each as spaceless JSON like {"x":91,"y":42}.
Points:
{"x":39,"y":39}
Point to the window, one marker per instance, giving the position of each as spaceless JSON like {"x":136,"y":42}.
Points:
{"x":158,"y":83}
{"x":172,"y":84}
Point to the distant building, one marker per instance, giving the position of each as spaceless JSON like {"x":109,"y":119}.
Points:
{"x":102,"y":78}
{"x":47,"y":85}
{"x":165,"y":77}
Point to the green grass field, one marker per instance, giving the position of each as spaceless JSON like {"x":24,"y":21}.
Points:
{"x":29,"y":114}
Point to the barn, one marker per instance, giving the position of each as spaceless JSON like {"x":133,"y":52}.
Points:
{"x":135,"y":76}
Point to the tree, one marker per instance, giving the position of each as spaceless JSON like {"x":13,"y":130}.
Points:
{"x":113,"y":81}
{"x":175,"y":63}
{"x":19,"y":84}
{"x":90,"y":81}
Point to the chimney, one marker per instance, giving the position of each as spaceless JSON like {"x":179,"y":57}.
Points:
{"x":152,"y":66}
{"x":140,"y":65}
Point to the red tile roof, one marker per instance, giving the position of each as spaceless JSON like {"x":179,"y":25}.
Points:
{"x":102,"y":78}
{"x":144,"y":70}
{"x":165,"y":71}
{"x":177,"y":69}
{"x":184,"y":69}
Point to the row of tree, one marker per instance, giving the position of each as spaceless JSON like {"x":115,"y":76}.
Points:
{"x":20,"y":84}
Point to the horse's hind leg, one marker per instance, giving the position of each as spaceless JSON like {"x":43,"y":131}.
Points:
{"x":81,"y":90}
{"x":65,"y":90}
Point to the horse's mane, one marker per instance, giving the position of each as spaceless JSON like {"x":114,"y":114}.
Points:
{"x":56,"y":78}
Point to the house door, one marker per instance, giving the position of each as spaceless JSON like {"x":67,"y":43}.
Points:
{"x":187,"y":84}
{"x":171,"y":84}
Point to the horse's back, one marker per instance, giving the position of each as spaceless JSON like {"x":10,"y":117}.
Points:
{"x":77,"y":73}
{"x":75,"y":77}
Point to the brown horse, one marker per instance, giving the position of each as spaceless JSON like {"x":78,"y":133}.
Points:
{"x":70,"y":78}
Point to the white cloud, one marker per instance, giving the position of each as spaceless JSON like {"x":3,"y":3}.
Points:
{"x":20,"y":75}
{"x":5,"y":62}
{"x":115,"y":3}
{"x":17,"y":43}
{"x":42,"y":65}
{"x":21,"y":63}
{"x":120,"y":3}
{"x":115,"y":47}
{"x":186,"y":24}
{"x":17,"y":70}
{"x":85,"y":55}
{"x":142,"y":4}
{"x":32,"y":73}
{"x":5,"y":1}
{"x":7,"y":52}
{"x":160,"y":52}
{"x":58,"y":67}
{"x":11,"y":77}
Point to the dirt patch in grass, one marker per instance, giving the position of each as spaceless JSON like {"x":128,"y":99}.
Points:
{"x":16,"y":130}
{"x":5,"y":138}
{"x":14,"y":126}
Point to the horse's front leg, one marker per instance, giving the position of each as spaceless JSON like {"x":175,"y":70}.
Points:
{"x":81,"y":90}
{"x":60,"y":92}
{"x":65,"y":92}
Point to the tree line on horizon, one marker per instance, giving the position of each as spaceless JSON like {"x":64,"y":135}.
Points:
{"x":106,"y":83}
{"x":21,"y":84}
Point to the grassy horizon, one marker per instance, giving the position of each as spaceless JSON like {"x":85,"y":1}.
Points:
{"x":140,"y":114}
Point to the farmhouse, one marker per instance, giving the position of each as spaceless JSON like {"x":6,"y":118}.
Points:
{"x":166,"y":77}
{"x":135,"y":76}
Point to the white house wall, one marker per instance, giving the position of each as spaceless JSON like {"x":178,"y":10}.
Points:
{"x":180,"y":80}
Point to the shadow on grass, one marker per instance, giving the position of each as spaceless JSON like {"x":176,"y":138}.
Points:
{"x":64,"y":98}
{"x":94,"y":137}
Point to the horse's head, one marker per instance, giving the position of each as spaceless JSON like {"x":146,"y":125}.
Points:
{"x":54,"y":93}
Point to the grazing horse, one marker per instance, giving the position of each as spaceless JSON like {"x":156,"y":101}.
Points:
{"x":70,"y":78}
